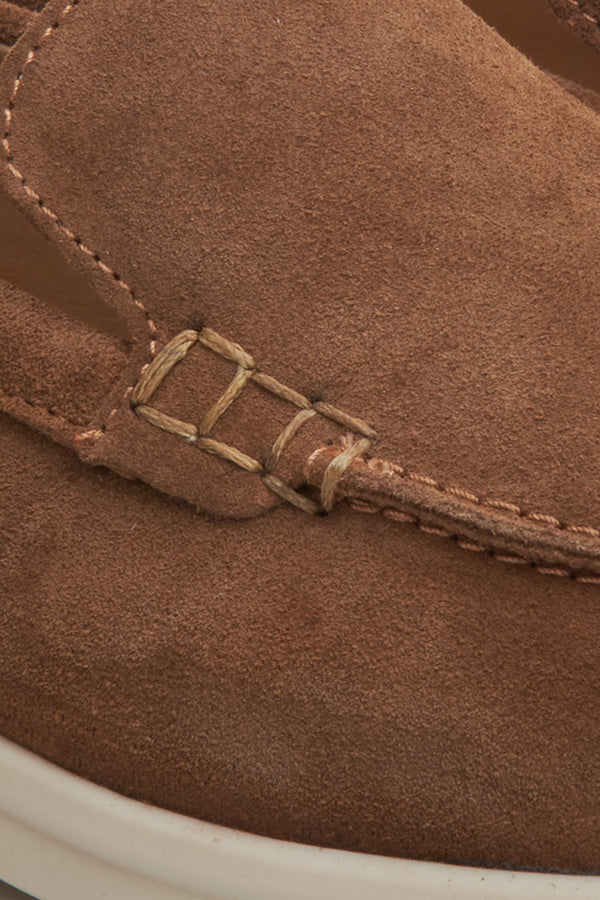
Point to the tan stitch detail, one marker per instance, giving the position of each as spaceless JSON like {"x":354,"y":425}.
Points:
{"x":237,"y":385}
{"x":434,"y":529}
{"x":463,"y":495}
{"x":405,"y":518}
{"x":583,"y":529}
{"x":554,"y":570}
{"x":544,"y":519}
{"x":364,"y":506}
{"x":106,"y":269}
{"x":16,"y":173}
{"x":385,"y":468}
{"x":167,"y":423}
{"x":280,"y":390}
{"x":398,"y":516}
{"x":161,"y":365}
{"x":424,"y":479}
{"x":469,"y":545}
{"x":504,"y":505}
{"x":177,"y":349}
{"x":92,"y":434}
{"x":342,"y":418}
{"x":369,"y":507}
{"x":225,"y":451}
{"x":286,"y":436}
{"x":381,"y":466}
{"x":338,"y":466}
{"x":69,"y":233}
{"x":511,"y":558}
{"x":286,"y":493}
{"x":225,"y":348}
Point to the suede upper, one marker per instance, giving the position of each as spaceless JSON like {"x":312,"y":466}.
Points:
{"x":298,"y":181}
{"x":398,"y":215}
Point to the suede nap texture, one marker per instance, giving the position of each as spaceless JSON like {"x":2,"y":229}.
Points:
{"x":13,"y":21}
{"x":79,"y":362}
{"x":36,"y":267}
{"x":347,"y":681}
{"x":419,"y":249}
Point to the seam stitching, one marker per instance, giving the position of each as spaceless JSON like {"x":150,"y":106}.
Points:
{"x":160,"y":420}
{"x":96,"y":433}
{"x":384,"y":467}
{"x":350,"y":453}
{"x":512,"y":558}
{"x":41,"y":406}
{"x":247,"y":370}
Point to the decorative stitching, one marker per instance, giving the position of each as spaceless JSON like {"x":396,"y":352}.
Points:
{"x":246,"y":371}
{"x":93,"y":434}
{"x":336,"y":469}
{"x":384,"y":467}
{"x":35,"y":405}
{"x":513,"y":559}
{"x":351,"y":451}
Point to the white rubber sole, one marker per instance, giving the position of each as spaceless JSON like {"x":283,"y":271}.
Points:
{"x":63,"y":838}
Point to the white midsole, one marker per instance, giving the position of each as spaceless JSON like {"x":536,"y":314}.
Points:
{"x":64,"y":838}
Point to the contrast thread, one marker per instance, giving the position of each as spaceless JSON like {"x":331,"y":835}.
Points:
{"x":397,"y":515}
{"x":371,"y":498}
{"x":33,"y":195}
{"x":199,"y":434}
{"x":246,"y":371}
{"x":385,"y":467}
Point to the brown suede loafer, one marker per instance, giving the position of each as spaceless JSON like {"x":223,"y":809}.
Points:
{"x":301,"y":509}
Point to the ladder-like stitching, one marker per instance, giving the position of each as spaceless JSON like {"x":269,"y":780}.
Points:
{"x":191,"y":432}
{"x":350,"y":451}
{"x":246,"y":371}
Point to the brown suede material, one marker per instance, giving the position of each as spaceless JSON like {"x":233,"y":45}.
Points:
{"x":13,"y":21}
{"x":511,"y":535}
{"x":332,"y":680}
{"x":583,"y":16}
{"x":34,"y":5}
{"x":590,"y":98}
{"x":418,"y":249}
{"x":35,"y":266}
{"x":79,"y":363}
{"x":430,"y":291}
{"x":533,"y":27}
